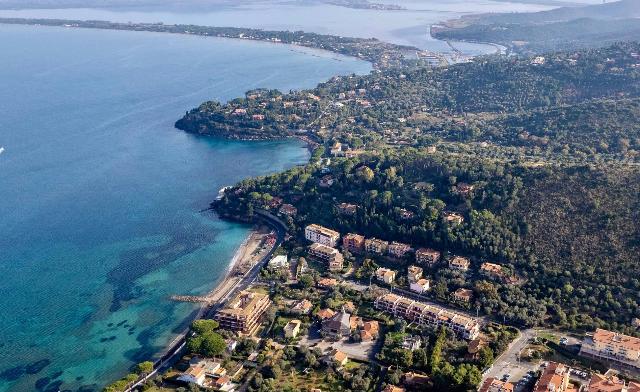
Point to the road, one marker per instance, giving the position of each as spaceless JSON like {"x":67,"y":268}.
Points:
{"x":509,"y":362}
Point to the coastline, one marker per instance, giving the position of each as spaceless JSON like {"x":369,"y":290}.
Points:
{"x":245,"y":258}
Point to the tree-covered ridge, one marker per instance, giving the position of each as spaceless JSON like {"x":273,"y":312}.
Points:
{"x":503,"y":101}
{"x":565,"y":28}
{"x":569,"y":233}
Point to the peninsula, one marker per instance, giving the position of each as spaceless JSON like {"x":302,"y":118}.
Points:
{"x":380,"y":54}
{"x":457,"y":228}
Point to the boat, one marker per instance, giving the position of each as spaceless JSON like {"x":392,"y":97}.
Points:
{"x":1,"y":150}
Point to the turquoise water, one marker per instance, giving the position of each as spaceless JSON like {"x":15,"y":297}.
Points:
{"x":100,"y":195}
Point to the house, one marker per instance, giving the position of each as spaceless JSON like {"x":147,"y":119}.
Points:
{"x":336,"y":149}
{"x":459,"y":263}
{"x":474,"y":347}
{"x":349,"y":306}
{"x":243,"y":312}
{"x":325,"y":314}
{"x":199,"y":370}
{"x":555,"y":377}
{"x":463,"y":295}
{"x":427,"y":256}
{"x":327,"y":283}
{"x":405,"y":214}
{"x":347,"y":209}
{"x":414,"y":273}
{"x":326,"y":181}
{"x":621,"y":350}
{"x":332,"y":256}
{"x":302,"y":307}
{"x":421,"y":286}
{"x":354,"y":243}
{"x":292,"y":329}
{"x":279,"y":262}
{"x":385,"y":275}
{"x":494,"y":385}
{"x":538,"y":60}
{"x":424,"y":314}
{"x":398,"y":249}
{"x":258,"y":117}
{"x":414,"y":380}
{"x":337,"y":358}
{"x":288,"y":210}
{"x":337,"y":326}
{"x":275,"y":202}
{"x":223,"y":383}
{"x":375,"y":246}
{"x":453,"y":218}
{"x":321,"y":235}
{"x":491,"y":269}
{"x":393,"y":388}
{"x":239,"y":112}
{"x":411,"y":342}
{"x":463,"y":188}
{"x":369,"y":331}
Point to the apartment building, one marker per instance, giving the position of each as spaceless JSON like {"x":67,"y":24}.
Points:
{"x":427,"y":256}
{"x":398,"y":249}
{"x":333,"y":257}
{"x":354,"y":243}
{"x":623,"y":350}
{"x":321,"y":235}
{"x":242,"y":313}
{"x":428,"y":315}
{"x":375,"y":246}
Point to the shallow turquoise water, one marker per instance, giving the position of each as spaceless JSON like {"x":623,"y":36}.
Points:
{"x":100,"y":195}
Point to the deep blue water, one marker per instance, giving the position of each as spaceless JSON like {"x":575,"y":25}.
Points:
{"x":100,"y":197}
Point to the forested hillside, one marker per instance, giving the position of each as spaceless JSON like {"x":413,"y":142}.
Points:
{"x":569,"y":234}
{"x":550,"y":107}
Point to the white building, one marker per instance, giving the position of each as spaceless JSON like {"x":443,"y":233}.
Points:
{"x":421,"y":286}
{"x":321,"y":235}
{"x":279,"y":262}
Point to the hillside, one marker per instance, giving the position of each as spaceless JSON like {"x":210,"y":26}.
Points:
{"x":508,"y":102}
{"x":566,"y":28}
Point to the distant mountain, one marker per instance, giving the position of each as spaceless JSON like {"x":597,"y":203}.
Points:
{"x":623,"y":9}
{"x":565,"y":28}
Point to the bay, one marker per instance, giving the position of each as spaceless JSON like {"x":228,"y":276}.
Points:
{"x":100,"y":196}
{"x":405,"y":27}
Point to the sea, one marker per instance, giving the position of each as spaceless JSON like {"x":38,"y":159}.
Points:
{"x":103,"y":202}
{"x":102,"y":199}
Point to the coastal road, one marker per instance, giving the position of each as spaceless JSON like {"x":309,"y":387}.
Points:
{"x":177,"y":347}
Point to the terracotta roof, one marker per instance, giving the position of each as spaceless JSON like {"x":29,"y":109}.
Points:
{"x":600,"y":383}
{"x":616,"y":339}
{"x":555,"y":375}
{"x":326,"y":313}
{"x":495,"y":385}
{"x":339,"y":356}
